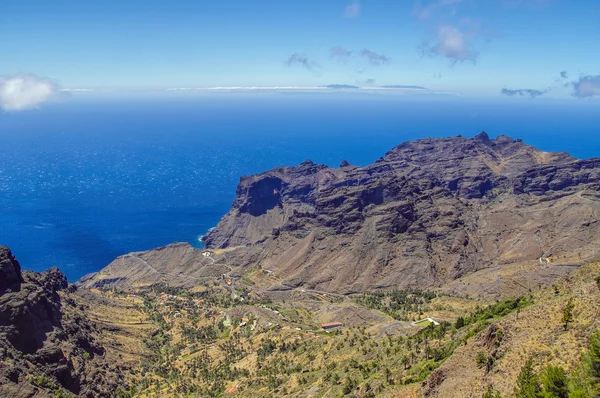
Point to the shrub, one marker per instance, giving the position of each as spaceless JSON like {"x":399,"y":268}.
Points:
{"x":481,"y":358}
{"x":555,"y":382}
{"x":349,"y":386}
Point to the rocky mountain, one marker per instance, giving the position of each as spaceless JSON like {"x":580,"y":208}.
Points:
{"x":469,"y":216}
{"x":47,"y":345}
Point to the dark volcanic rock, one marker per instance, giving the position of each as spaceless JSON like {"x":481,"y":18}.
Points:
{"x":10,"y":271}
{"x":37,"y":337}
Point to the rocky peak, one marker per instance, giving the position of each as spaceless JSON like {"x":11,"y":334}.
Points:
{"x":483,"y":137}
{"x":53,"y":280}
{"x":10,"y":272}
{"x":502,"y":139}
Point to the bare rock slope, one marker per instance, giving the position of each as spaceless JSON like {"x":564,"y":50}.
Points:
{"x":46,"y":346}
{"x":466,"y":215}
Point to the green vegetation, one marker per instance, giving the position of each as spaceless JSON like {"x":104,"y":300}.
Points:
{"x":485,"y":361}
{"x":528,"y":385}
{"x":568,"y":313}
{"x":498,"y":310}
{"x":554,"y":382}
{"x":491,"y":393}
{"x":202,"y":347}
{"x":400,"y":305}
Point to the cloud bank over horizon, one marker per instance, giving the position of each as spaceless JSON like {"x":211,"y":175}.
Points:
{"x":23,"y":92}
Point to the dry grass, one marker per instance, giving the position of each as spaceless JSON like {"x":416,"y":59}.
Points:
{"x":537,"y":331}
{"x":121,"y":324}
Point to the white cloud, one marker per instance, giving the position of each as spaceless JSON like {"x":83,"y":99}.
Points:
{"x":352,"y":10}
{"x":374,"y":58}
{"x":303,"y":60}
{"x":587,"y":87}
{"x":453,"y":44}
{"x":21,"y":92}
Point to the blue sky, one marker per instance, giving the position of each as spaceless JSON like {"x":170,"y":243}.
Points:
{"x":468,"y":46}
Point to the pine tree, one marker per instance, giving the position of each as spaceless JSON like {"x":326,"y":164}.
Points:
{"x":594,"y":354}
{"x":528,"y":385}
{"x":555,"y":382}
{"x":568,"y":313}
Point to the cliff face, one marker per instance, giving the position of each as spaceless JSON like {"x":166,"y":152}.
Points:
{"x":456,"y":169}
{"x":41,"y":349}
{"x":428,"y":214}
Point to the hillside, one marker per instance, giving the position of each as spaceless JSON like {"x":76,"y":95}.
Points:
{"x":468,"y":216}
{"x":441,"y":270}
{"x":207,"y":343}
{"x":50,"y":345}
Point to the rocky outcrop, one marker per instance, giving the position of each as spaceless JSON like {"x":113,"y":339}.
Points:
{"x":427,"y":214}
{"x":10,"y":271}
{"x":45,"y":344}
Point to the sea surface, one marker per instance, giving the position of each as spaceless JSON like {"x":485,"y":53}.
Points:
{"x":84,"y":181}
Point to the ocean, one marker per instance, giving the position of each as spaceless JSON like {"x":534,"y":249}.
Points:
{"x":86,"y":180}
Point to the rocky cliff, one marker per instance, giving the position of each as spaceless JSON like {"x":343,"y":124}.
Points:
{"x":471,"y":216}
{"x":46,"y":344}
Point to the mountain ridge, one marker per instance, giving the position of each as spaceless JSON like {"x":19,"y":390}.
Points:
{"x":426,"y":214}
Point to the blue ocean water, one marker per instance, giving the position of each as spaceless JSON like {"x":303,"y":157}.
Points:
{"x":82,"y":182}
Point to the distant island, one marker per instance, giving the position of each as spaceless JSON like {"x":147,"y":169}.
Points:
{"x":340,"y":86}
{"x":401,"y":86}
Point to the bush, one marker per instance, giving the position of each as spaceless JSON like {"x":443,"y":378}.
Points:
{"x":555,"y":382}
{"x":486,"y":361}
{"x":349,"y":386}
{"x":481,"y":358}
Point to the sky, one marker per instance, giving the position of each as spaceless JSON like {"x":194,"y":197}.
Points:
{"x":512,"y":48}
